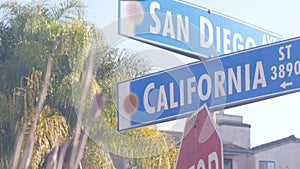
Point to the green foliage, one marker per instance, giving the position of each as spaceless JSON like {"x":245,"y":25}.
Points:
{"x":9,"y":123}
{"x":15,"y":109}
{"x":51,"y":131}
{"x":96,"y":157}
{"x":113,"y":67}
{"x":27,"y":33}
{"x":144,"y":147}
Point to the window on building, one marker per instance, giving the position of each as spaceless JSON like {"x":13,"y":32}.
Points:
{"x":227,"y":163}
{"x":266,"y":165}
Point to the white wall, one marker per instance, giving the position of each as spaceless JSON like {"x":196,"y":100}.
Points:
{"x":239,"y":136}
{"x":286,"y":156}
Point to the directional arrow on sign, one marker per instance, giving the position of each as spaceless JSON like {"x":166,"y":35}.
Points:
{"x":228,"y":81}
{"x":286,"y":84}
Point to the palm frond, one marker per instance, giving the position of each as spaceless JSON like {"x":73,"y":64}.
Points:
{"x":68,"y":10}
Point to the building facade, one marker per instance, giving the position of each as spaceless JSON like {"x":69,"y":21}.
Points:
{"x":238,"y":154}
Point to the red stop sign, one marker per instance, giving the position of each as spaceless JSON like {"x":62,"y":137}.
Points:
{"x":201,"y":146}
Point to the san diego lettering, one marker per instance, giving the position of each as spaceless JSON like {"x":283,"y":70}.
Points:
{"x":225,"y":40}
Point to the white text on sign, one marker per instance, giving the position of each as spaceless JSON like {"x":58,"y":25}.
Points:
{"x":216,"y":86}
{"x":179,"y":28}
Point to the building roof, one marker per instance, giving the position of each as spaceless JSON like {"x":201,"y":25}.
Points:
{"x":231,"y":120}
{"x":228,"y":147}
{"x":273,"y":144}
{"x":176,"y":135}
{"x":228,"y":123}
{"x":232,"y":149}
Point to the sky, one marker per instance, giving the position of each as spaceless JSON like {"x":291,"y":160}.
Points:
{"x":271,"y":119}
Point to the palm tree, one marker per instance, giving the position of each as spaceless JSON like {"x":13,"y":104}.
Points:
{"x":51,"y":48}
{"x":27,"y":48}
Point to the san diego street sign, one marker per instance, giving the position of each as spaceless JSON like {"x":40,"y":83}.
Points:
{"x":188,"y":29}
{"x":227,"y":81}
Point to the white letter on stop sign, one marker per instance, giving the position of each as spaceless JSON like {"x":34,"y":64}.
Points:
{"x":211,"y":157}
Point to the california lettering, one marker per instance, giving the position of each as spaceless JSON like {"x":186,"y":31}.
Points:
{"x":221,"y":84}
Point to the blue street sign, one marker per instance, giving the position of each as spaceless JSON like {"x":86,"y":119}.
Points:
{"x":227,"y":81}
{"x":188,"y":29}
